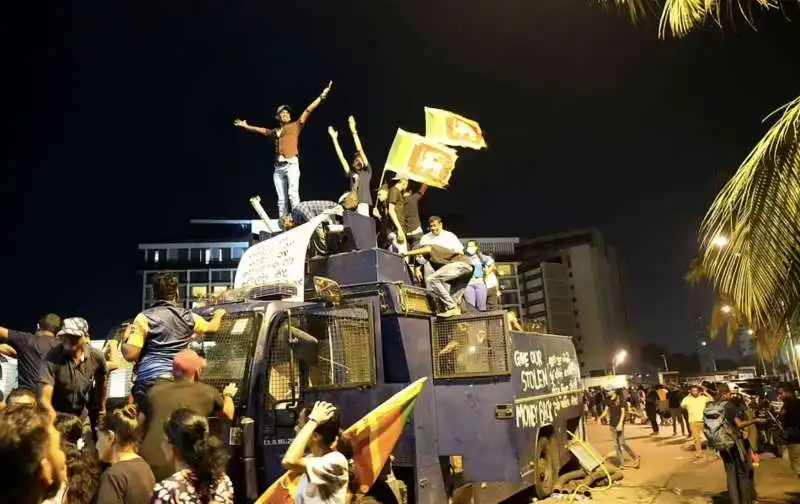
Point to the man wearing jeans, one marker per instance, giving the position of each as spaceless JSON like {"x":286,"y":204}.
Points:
{"x":287,"y":153}
{"x":450,"y":275}
{"x":616,"y":411}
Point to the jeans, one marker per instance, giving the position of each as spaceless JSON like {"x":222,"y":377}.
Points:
{"x":620,"y":444}
{"x":652,"y":416}
{"x":740,"y":476}
{"x":449,"y":283}
{"x":677,"y":418}
{"x":476,"y":295}
{"x":287,"y":184}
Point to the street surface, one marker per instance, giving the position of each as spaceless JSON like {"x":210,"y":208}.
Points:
{"x":669,"y":473}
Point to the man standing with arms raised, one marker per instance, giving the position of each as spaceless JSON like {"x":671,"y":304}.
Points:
{"x":30,"y":349}
{"x":287,"y":153}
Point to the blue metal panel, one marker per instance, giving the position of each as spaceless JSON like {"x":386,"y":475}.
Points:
{"x":466,"y":414}
{"x":361,"y":266}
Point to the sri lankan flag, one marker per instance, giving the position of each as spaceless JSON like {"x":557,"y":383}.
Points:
{"x":452,"y":129}
{"x":373,"y":438}
{"x":422,"y":159}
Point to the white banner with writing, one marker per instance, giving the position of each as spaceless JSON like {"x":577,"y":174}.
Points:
{"x":280,"y":259}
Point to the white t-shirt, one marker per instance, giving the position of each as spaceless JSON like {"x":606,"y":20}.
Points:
{"x":444,"y":239}
{"x":329,"y":473}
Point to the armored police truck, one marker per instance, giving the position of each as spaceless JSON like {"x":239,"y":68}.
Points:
{"x":492,"y":422}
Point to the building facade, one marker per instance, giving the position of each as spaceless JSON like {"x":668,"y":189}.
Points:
{"x":574,"y":285}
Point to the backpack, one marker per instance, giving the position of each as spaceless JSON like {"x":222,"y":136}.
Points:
{"x":719,"y":432}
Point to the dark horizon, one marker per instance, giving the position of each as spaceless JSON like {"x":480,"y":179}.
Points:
{"x":121,"y":128}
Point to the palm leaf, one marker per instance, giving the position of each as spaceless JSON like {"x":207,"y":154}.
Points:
{"x":682,"y":16}
{"x":636,"y":9}
{"x":759,"y":211}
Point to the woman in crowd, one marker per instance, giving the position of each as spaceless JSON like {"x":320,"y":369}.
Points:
{"x":475,"y":294}
{"x":200,"y":460}
{"x":129,"y":480}
{"x":326,"y":468}
{"x":82,"y":467}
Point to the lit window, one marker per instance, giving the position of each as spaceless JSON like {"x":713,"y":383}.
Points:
{"x":208,"y":256}
{"x":199,"y":291}
{"x":504,"y":270}
{"x":219,"y":258}
{"x":218,"y":289}
{"x":155,"y":256}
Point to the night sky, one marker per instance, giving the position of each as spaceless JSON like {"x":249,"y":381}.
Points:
{"x":119,"y":128}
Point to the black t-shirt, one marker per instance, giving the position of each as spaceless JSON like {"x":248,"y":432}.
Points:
{"x":75,"y":385}
{"x":396,"y":198}
{"x":791,"y":420}
{"x":674,"y":397}
{"x":363,"y":190}
{"x":31,"y":349}
{"x":615,"y":411}
{"x":162,"y":400}
{"x":411,"y":212}
{"x":127,"y":482}
{"x":440,"y":256}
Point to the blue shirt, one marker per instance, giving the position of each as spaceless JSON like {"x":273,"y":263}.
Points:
{"x":479,"y":262}
{"x":169,"y":329}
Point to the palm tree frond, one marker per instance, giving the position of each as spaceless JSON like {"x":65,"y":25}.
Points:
{"x":758,"y":211}
{"x":682,"y":16}
{"x":636,"y":9}
{"x":695,"y":274}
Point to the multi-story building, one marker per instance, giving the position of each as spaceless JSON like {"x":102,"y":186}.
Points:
{"x":205,"y":264}
{"x":572,"y":283}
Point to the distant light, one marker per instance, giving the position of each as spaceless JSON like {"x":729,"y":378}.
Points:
{"x":720,"y":241}
{"x":155,"y":256}
{"x":797,"y":348}
{"x":750,"y":332}
{"x":703,"y":343}
{"x":208,"y":256}
{"x":472,"y":349}
{"x":726,"y":309}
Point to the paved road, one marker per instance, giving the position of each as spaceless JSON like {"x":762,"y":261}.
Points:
{"x":669,"y":473}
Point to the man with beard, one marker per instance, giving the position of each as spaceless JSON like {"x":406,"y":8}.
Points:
{"x":29,"y":349}
{"x":287,"y":153}
{"x":31,"y":460}
{"x":74,"y":374}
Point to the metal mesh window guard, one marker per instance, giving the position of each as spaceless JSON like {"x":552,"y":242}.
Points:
{"x":344,"y":353}
{"x":470,"y":347}
{"x":228,"y":350}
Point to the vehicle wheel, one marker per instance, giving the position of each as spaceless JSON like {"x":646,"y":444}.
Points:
{"x":544,"y":474}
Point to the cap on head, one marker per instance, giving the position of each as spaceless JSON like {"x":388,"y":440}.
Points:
{"x":187,"y":363}
{"x":74,"y":326}
{"x":287,"y":108}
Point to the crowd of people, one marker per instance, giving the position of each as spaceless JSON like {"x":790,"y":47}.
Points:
{"x":58,"y":444}
{"x":462,"y":279}
{"x":724,"y":422}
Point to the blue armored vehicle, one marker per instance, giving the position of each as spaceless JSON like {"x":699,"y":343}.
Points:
{"x":492,"y":422}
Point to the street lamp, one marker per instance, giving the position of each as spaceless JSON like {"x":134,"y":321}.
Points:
{"x":619,"y":358}
{"x":720,"y":241}
{"x":726,"y":309}
{"x":666,"y":366}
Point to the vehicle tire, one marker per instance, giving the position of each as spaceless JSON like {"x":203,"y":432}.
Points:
{"x":544,"y":471}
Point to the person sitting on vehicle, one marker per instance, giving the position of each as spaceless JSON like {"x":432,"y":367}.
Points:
{"x":326,"y":469}
{"x":450,"y":275}
{"x":160,"y":332}
{"x":306,"y":211}
{"x":438,"y":235}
